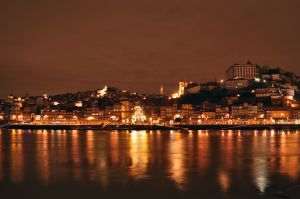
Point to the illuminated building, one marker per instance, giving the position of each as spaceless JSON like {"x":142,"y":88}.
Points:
{"x":266,"y":92}
{"x":246,"y":71}
{"x":181,"y":86}
{"x":167,"y":112}
{"x":245,"y":111}
{"x":78,"y":104}
{"x":236,"y":83}
{"x":94,"y":113}
{"x":126,"y":110}
{"x":238,"y":75}
{"x":278,"y":113}
{"x":222,"y":112}
{"x":138,"y":115}
{"x":208,"y":115}
{"x":102,"y":92}
{"x":28,"y":114}
{"x":15,"y":111}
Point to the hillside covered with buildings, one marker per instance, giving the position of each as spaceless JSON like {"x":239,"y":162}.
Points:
{"x":247,"y":93}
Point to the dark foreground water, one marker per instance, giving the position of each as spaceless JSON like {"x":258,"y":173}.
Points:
{"x":149,"y":164}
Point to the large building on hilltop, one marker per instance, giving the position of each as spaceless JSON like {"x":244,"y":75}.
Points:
{"x":247,"y":71}
{"x":239,"y":75}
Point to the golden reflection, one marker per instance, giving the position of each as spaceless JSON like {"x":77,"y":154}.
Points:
{"x":261,"y":174}
{"x":90,"y":152}
{"x":227,"y":151}
{"x":62,"y":138}
{"x":102,"y":164}
{"x":114,"y":148}
{"x":272,"y":133}
{"x":59,"y":152}
{"x":139,"y":154}
{"x":226,"y":156}
{"x":264,"y":133}
{"x":203,"y":152}
{"x":238,"y":150}
{"x":17,"y":157}
{"x":43,"y":157}
{"x":224,"y":180}
{"x":289,"y":155}
{"x":177,"y":166}
{"x":260,"y":164}
{"x":75,"y":155}
{"x":90,"y":148}
{"x":101,"y":157}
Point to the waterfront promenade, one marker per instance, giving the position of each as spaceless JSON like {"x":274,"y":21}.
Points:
{"x":232,"y":124}
{"x":182,"y":127}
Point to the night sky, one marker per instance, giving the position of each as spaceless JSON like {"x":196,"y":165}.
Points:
{"x":55,"y":46}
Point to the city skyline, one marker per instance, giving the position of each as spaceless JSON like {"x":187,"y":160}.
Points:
{"x":161,"y":90}
{"x":51,"y":47}
{"x":149,"y":99}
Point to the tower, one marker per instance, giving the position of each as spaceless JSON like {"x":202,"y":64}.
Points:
{"x":161,"y":90}
{"x":182,"y":86}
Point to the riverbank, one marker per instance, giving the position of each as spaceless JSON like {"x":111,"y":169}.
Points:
{"x":155,"y":127}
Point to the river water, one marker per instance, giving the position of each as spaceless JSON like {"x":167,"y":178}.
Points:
{"x":148,"y":164}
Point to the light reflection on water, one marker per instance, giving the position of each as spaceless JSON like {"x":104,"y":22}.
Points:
{"x":177,"y":159}
{"x":222,"y":161}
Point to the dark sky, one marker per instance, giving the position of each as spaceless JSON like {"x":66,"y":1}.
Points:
{"x":54,"y":46}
